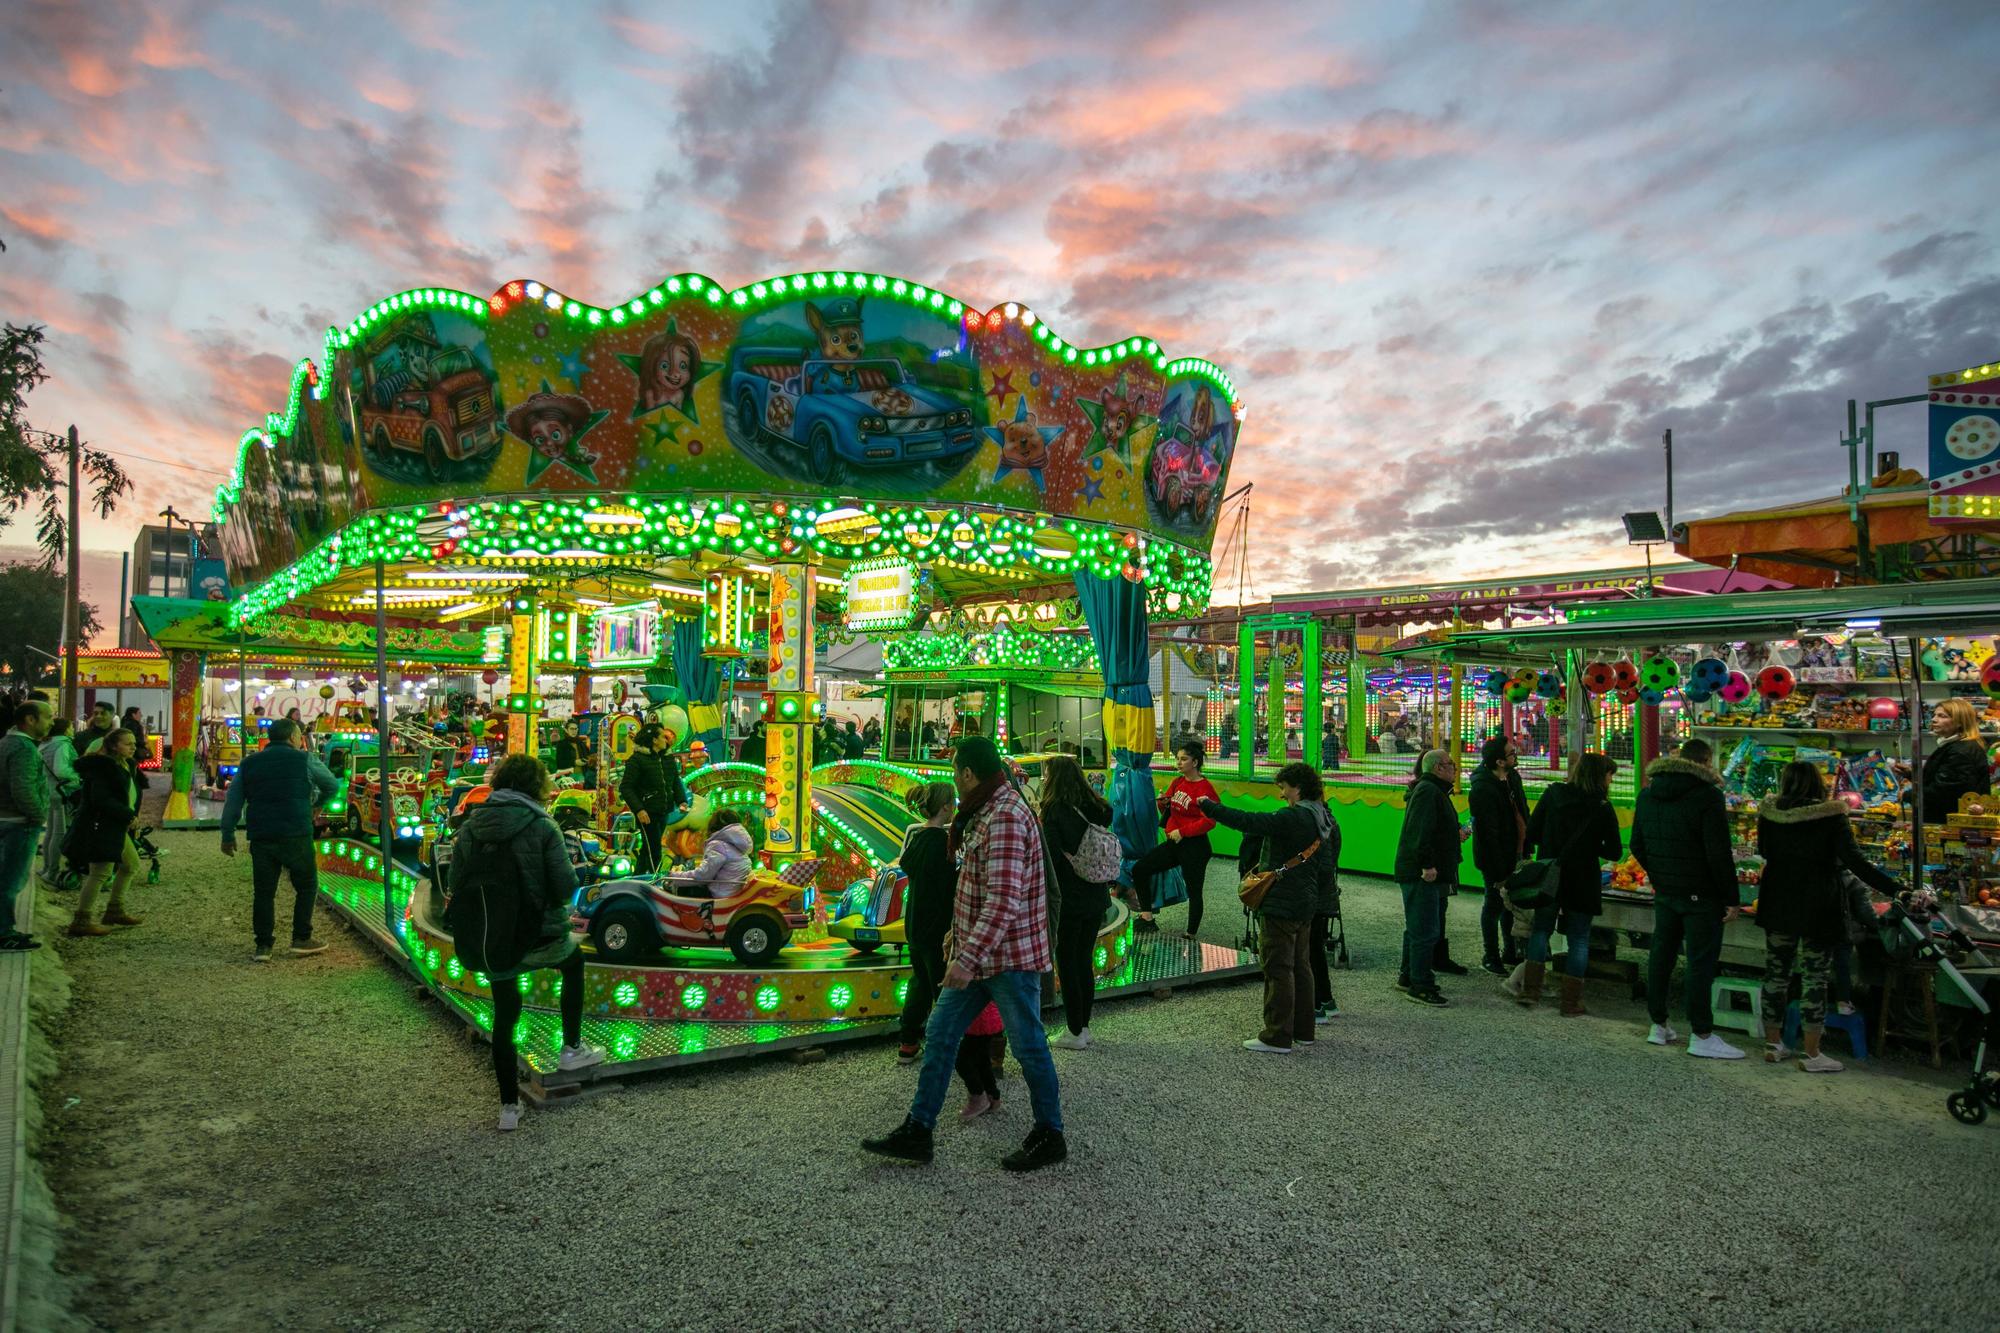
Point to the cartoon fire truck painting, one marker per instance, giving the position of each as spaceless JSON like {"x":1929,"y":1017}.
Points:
{"x":416,"y":395}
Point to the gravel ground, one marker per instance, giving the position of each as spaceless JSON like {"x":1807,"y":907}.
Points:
{"x":309,"y":1145}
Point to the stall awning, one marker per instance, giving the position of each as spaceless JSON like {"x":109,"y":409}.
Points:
{"x":1816,"y":543}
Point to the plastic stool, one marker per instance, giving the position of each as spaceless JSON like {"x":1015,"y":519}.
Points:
{"x":1854,"y":1025}
{"x":1749,"y":1020}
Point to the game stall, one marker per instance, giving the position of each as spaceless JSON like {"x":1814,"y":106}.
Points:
{"x":698,"y":486}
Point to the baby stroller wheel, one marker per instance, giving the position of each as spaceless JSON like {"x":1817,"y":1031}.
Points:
{"x":1968,"y":1108}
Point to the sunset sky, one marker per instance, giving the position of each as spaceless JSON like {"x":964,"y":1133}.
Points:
{"x":1464,"y":261}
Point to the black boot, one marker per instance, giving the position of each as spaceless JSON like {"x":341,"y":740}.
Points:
{"x":1441,"y":960}
{"x":1044,"y":1147}
{"x":1491,"y":962}
{"x":909,"y":1141}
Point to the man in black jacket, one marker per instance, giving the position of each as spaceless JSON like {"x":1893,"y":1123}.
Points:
{"x":1427,"y":857}
{"x":1499,"y":807}
{"x":651,"y":788}
{"x":1680,"y":835}
{"x":282,"y":784}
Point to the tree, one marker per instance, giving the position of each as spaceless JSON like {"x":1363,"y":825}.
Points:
{"x":34,"y":464}
{"x":32,"y":602}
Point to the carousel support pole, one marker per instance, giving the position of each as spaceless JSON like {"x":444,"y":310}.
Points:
{"x":1274,"y":708}
{"x":1166,"y":693}
{"x":1312,"y":725}
{"x":1578,"y":720}
{"x":1246,"y":701}
{"x":1649,"y":734}
{"x":1450,"y":741}
{"x":383,"y":800}
{"x":184,"y":671}
{"x":1917,"y":850}
{"x":788,"y":706}
{"x":1357,"y":699}
{"x":522,"y":702}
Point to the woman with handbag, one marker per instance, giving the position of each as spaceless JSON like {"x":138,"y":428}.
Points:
{"x":1803,"y":905}
{"x":1076,"y":824}
{"x":1297,"y":847}
{"x":1572,"y":827}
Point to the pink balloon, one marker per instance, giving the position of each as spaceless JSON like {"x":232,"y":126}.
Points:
{"x":1736,"y":689}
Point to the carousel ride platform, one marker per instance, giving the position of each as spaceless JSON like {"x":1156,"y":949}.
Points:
{"x":699,"y":1005}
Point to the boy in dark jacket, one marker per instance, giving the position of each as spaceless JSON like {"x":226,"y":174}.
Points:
{"x":1286,"y":916}
{"x":1680,"y":835}
{"x":1426,"y":870}
{"x":511,"y":883}
{"x":651,"y":788}
{"x":1498,"y":804}
{"x":283,"y":783}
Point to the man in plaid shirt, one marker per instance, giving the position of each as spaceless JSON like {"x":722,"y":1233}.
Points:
{"x":1001,"y":929}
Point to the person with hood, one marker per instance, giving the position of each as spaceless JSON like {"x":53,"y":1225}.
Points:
{"x":508,"y":912}
{"x":283,"y":783}
{"x":59,"y":762}
{"x":751,"y":751}
{"x":1958,"y":766}
{"x":1680,"y":837}
{"x":100,"y":844}
{"x":725,"y":860}
{"x":1806,"y":842}
{"x":1070,"y":810}
{"x":1574,"y":826}
{"x":1301,"y":831}
{"x":1427,"y":871}
{"x":26,"y":796}
{"x":652,"y":790}
{"x":1498,"y":804}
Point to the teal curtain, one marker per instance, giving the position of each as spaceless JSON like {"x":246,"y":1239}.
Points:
{"x":1115,"y":610}
{"x":699,"y":679}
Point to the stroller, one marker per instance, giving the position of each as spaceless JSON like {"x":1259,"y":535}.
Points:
{"x":1925,"y":925}
{"x":142,"y":843}
{"x":1336,"y":928}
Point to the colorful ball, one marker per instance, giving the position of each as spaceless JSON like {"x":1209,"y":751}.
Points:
{"x":1775,"y":682}
{"x":1629,"y":695}
{"x":1694,"y":694}
{"x":1518,"y":693}
{"x":1989,"y":677}
{"x":490,"y":676}
{"x":1710,"y":673}
{"x":1891,"y":708}
{"x":326,"y":691}
{"x":1599,"y":678}
{"x":1524,"y":675}
{"x":1651,"y":697}
{"x":1496,"y":682}
{"x":1626,"y":676}
{"x":1735,"y":689}
{"x":1557,"y":708}
{"x":1549,"y":685}
{"x":1660,"y":673}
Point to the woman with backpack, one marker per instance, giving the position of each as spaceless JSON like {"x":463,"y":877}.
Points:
{"x":1573,"y":826}
{"x":1076,"y":822}
{"x":1296,"y":844}
{"x":508,"y":912}
{"x":1803,"y":905}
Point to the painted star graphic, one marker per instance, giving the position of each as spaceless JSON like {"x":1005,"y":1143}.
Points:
{"x":1093,"y":490}
{"x":659,"y":344}
{"x":665,"y":431}
{"x":567,"y":410}
{"x":998,"y":434}
{"x":1003,"y":384}
{"x":1135,"y":420}
{"x":571,"y":367}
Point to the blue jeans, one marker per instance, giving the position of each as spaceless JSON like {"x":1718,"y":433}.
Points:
{"x":1019,"y":997}
{"x":17,"y":857}
{"x":1423,"y":922}
{"x":1575,"y":928}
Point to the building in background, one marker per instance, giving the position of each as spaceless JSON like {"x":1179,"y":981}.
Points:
{"x":170,"y":560}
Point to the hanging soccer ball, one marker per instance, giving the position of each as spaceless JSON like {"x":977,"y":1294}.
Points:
{"x":1625,"y":675}
{"x":1524,"y":676}
{"x":1519,"y":692}
{"x":1736,"y":688}
{"x":1775,"y":682}
{"x":1989,"y":677}
{"x":1660,"y":674}
{"x":1496,"y":682}
{"x":1629,"y":696}
{"x":1599,"y":678}
{"x":1651,"y":697}
{"x":1710,"y":673}
{"x":1694,"y":694}
{"x":1549,"y":685}
{"x":1557,"y":708}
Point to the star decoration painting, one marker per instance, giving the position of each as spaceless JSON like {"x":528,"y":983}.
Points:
{"x":1024,"y":445}
{"x":668,"y":366}
{"x":553,"y":425}
{"x":1114,"y":418}
{"x":1003,"y":384}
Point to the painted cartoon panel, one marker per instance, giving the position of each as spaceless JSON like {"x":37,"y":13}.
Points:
{"x":834,"y":384}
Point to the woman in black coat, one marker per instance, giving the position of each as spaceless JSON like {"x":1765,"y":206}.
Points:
{"x":1069,"y":809}
{"x":928,"y":900}
{"x":652,"y":789}
{"x":100,"y":842}
{"x":1806,"y":842}
{"x":1957,"y":767}
{"x":1573,"y":825}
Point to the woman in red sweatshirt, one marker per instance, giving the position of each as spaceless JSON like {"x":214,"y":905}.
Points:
{"x":1186,"y":842}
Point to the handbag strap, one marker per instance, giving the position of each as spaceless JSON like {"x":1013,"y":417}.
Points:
{"x":1302,"y":857}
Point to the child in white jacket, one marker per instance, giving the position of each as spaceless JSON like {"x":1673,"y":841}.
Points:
{"x":725,"y":860}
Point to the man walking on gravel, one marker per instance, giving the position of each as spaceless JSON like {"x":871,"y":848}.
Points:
{"x":1680,"y":835}
{"x":281,"y":783}
{"x":24,"y":808}
{"x":1001,"y":924}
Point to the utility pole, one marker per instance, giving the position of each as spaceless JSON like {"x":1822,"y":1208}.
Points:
{"x":1668,"y":439}
{"x":73,"y":614}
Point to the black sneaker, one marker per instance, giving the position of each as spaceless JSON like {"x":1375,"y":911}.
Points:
{"x":1493,"y":965}
{"x":906,"y":1055}
{"x":308,"y":946}
{"x":1429,"y":997}
{"x":909,"y":1141}
{"x":1144,"y":925}
{"x":1403,"y":984}
{"x":1043,"y":1147}
{"x":1450,"y":967}
{"x":16,"y":942}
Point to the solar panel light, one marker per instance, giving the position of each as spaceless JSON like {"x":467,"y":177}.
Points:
{"x":1644,"y":528}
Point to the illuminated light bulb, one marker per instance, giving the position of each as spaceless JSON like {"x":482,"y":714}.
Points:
{"x":535,"y":290}
{"x":553,"y":300}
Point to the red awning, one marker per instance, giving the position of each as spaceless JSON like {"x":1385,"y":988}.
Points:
{"x":1814,"y":544}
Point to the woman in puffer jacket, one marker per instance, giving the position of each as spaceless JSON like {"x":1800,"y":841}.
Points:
{"x":725,"y":860}
{"x":1285,"y":919}
{"x":1805,"y":841}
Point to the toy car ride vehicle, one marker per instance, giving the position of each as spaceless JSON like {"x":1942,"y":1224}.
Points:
{"x":870,"y":914}
{"x":634,"y":918}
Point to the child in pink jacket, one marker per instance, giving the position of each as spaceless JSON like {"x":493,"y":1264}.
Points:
{"x":975,"y":1065}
